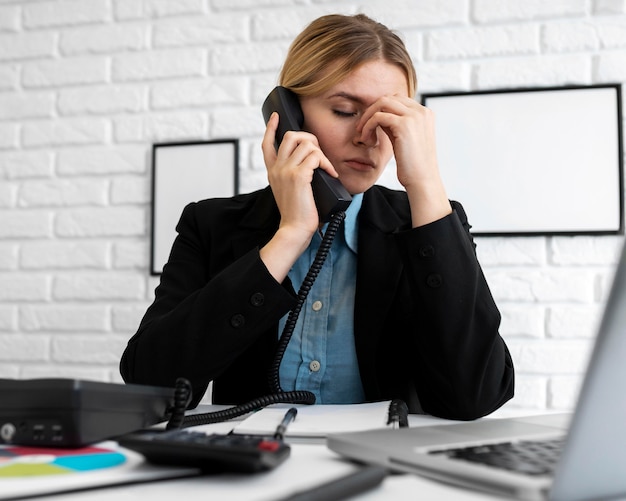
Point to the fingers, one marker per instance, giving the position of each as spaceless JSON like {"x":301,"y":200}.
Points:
{"x":298,"y":149}
{"x":394,"y":114}
{"x":302,"y":150}
{"x":267,"y":145}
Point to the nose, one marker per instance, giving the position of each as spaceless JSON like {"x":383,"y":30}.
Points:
{"x":370,"y":140}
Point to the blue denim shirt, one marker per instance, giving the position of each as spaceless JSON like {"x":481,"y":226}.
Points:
{"x":321,"y":355}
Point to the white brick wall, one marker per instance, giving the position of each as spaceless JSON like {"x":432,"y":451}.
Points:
{"x":86,"y":86}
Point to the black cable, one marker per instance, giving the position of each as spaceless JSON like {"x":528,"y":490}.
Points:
{"x":305,"y":288}
{"x":398,"y":414}
{"x":279,"y":396}
{"x":290,"y":397}
{"x":182,"y":397}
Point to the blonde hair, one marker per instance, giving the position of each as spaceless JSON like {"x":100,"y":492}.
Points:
{"x":332,"y":46}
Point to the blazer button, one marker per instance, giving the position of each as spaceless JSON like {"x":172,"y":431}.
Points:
{"x":257,"y":299}
{"x":427,"y":251}
{"x":434,"y":280}
{"x":237,"y":320}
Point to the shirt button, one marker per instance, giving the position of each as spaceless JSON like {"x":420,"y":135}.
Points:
{"x":315,"y":366}
{"x":317,"y":306}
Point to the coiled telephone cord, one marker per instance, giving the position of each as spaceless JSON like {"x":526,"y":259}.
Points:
{"x":183,"y":387}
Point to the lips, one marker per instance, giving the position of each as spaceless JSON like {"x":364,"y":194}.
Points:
{"x":362,"y":164}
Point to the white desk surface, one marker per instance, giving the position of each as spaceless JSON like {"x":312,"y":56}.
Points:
{"x":309,"y":465}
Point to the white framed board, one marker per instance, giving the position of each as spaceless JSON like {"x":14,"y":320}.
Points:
{"x":536,"y":161}
{"x":183,"y":173}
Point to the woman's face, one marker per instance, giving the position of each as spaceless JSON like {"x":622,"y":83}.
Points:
{"x":333,"y":117}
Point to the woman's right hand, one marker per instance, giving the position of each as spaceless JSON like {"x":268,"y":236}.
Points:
{"x":290,"y":172}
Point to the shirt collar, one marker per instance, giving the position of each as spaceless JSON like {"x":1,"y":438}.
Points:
{"x":350,"y":222}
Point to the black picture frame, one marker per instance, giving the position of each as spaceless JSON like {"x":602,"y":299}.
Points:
{"x":185,"y":172}
{"x":534,"y":161}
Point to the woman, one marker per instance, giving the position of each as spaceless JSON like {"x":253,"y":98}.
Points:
{"x":400,"y":309}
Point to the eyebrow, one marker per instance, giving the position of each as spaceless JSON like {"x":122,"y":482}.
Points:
{"x":350,"y":97}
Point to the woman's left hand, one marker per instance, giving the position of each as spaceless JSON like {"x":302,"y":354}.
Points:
{"x":411,"y":130}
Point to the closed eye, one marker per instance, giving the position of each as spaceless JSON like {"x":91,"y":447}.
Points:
{"x":345,"y":113}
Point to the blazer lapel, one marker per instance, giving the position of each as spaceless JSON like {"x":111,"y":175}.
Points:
{"x":379,"y":269}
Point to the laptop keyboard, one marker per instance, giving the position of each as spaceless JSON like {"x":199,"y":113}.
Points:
{"x":530,"y":457}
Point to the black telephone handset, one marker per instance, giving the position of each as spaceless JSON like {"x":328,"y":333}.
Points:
{"x":330,"y":195}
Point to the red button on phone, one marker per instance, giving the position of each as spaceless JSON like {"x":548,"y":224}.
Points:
{"x":267,"y":445}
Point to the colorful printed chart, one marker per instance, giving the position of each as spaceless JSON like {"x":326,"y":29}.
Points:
{"x":33,"y":461}
{"x":34,"y":471}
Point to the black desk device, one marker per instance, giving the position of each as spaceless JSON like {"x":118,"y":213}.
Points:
{"x":211,"y":453}
{"x":73,"y":413}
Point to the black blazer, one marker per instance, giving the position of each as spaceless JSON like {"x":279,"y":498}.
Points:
{"x":426,"y":326}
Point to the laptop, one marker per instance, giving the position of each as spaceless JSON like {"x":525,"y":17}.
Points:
{"x":590,"y":443}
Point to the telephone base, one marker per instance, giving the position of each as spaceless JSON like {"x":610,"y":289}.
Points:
{"x":73,"y":413}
